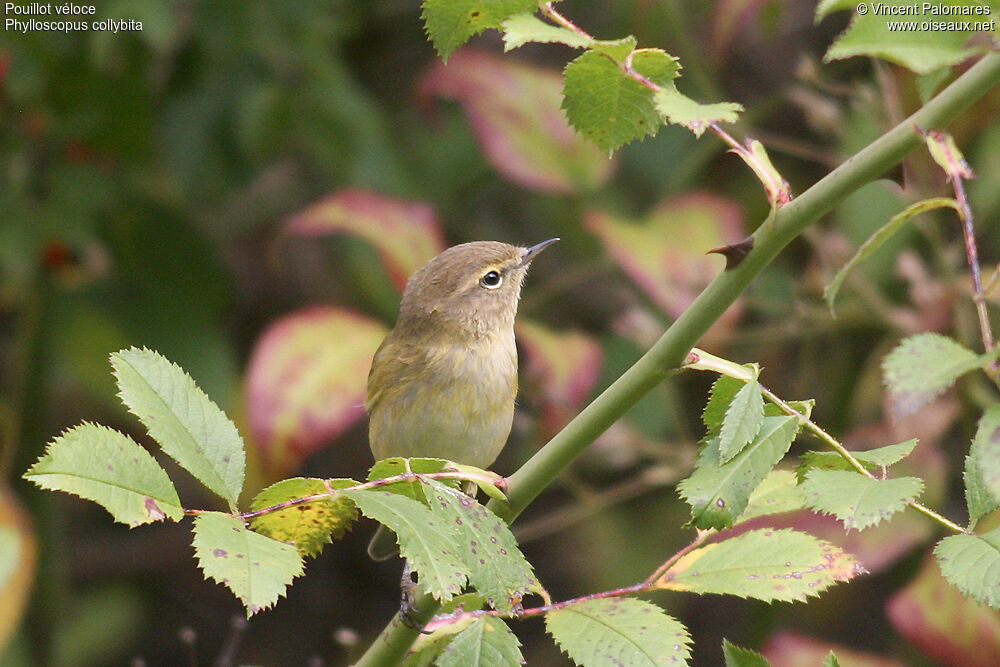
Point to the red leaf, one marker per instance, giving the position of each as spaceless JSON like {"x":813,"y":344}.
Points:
{"x":664,"y":253}
{"x":515,"y":113}
{"x":306,"y":382}
{"x":563,"y":368}
{"x":935,"y":617}
{"x":406,"y":234}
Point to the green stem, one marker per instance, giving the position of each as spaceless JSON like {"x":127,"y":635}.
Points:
{"x":769,"y":239}
{"x":669,"y":352}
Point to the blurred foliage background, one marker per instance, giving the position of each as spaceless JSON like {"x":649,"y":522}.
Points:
{"x":244,"y":188}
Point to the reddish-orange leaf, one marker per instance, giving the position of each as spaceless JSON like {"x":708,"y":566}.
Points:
{"x":665,"y":252}
{"x":405,"y":234}
{"x":562,"y":367}
{"x":947,"y":626}
{"x":306,"y":382}
{"x":515,"y":112}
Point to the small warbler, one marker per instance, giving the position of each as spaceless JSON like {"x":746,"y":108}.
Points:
{"x":443,"y":382}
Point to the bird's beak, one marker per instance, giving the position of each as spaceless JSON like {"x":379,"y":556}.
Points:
{"x":531,"y":252}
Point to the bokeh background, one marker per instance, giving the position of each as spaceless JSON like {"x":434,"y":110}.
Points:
{"x":244,"y":187}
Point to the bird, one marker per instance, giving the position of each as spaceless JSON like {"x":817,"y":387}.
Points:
{"x":443,"y":382}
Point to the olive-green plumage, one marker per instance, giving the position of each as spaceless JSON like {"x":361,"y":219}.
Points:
{"x":443,"y":382}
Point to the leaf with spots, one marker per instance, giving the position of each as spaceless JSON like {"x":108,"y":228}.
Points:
{"x":856,"y":500}
{"x":255,"y":568}
{"x":982,"y":466}
{"x":763,"y":564}
{"x":487,"y":642}
{"x":309,"y":526}
{"x":451,"y":23}
{"x":922,"y":367}
{"x":111,"y":469}
{"x":187,"y":425}
{"x":425,"y":539}
{"x":497,"y":568}
{"x":744,"y":417}
{"x":618,"y":631}
{"x":718,"y":493}
{"x":778,"y":493}
{"x":972,"y":564}
{"x":398,"y":465}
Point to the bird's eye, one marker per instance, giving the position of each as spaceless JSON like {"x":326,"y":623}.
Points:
{"x":491,"y":280}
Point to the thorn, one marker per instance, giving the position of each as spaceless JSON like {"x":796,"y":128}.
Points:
{"x":734,"y":252}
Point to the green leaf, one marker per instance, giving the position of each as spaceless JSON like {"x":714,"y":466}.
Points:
{"x":736,"y":656}
{"x":488,"y":642}
{"x":778,"y":493}
{"x":109,"y":468}
{"x":875,"y":241}
{"x":914,"y":46}
{"x":188,"y":426}
{"x":856,"y":500}
{"x":450,"y":23}
{"x":972,"y":564}
{"x":982,"y":466}
{"x":682,"y":110}
{"x":521,"y":29}
{"x":742,"y":422}
{"x":424,"y":540}
{"x":922,"y":367}
{"x":255,"y":568}
{"x":398,"y":465}
{"x":308,"y":526}
{"x":609,"y":107}
{"x":497,"y":568}
{"x":872,"y":459}
{"x":831,"y":661}
{"x":618,"y":631}
{"x":718,"y":493}
{"x":724,"y":389}
{"x":617,"y":49}
{"x":763,"y":564}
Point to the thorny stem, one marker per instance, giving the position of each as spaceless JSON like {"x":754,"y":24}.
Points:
{"x":972,"y":255}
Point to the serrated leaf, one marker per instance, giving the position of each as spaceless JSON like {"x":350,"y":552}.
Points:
{"x":616,"y":49}
{"x":742,"y":422}
{"x":880,"y":35}
{"x":778,"y":493}
{"x":680,"y":109}
{"x":856,"y":500}
{"x":736,"y":656}
{"x":308,"y":526}
{"x":724,"y":389}
{"x":982,"y":466}
{"x":763,"y":564}
{"x":111,"y":469}
{"x":521,"y":29}
{"x":921,"y":367}
{"x":618,"y":631}
{"x":972,"y":564}
{"x":877,"y":239}
{"x":497,"y":568}
{"x":718,"y":493}
{"x":609,"y":107}
{"x":187,"y":425}
{"x":255,"y":568}
{"x":872,"y":459}
{"x":398,"y":465}
{"x":487,"y":642}
{"x":450,"y":23}
{"x":424,"y":540}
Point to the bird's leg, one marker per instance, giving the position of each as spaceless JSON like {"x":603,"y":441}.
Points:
{"x":407,"y":608}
